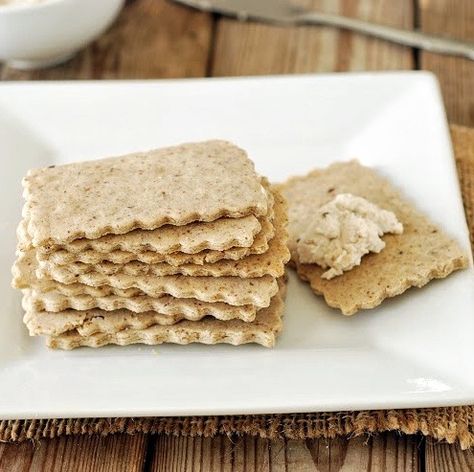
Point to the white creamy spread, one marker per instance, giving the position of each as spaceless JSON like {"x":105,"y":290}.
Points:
{"x":344,"y":230}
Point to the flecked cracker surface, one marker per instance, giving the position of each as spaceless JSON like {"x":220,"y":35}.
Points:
{"x":271,"y":262}
{"x":231,"y":290}
{"x":189,"y":309}
{"x":95,"y":320}
{"x":92,"y":321}
{"x":263,"y":330}
{"x":177,"y":185}
{"x":91,"y":256}
{"x":423,"y":252}
{"x":217,"y":235}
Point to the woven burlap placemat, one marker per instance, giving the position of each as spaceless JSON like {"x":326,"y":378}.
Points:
{"x":453,"y":424}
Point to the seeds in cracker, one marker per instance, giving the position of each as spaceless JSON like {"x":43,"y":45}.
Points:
{"x":209,"y":256}
{"x":217,"y":235}
{"x":263,"y":330}
{"x":201,"y":269}
{"x":423,"y":252}
{"x":189,"y":308}
{"x":271,"y":262}
{"x":43,"y":323}
{"x":177,"y":185}
{"x":231,"y":290}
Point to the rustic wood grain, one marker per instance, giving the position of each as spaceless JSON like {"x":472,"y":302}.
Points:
{"x":453,"y":18}
{"x":389,"y":452}
{"x":150,"y":39}
{"x":441,"y":457}
{"x":113,"y":453}
{"x":252,"y":48}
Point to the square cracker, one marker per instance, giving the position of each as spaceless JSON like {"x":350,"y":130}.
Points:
{"x":423,"y":252}
{"x":188,"y":308}
{"x":264,"y":330}
{"x":272,"y":262}
{"x":176,"y":185}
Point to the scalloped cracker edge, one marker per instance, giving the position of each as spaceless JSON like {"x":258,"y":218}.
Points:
{"x":259,"y":246}
{"x":88,"y":322}
{"x":190,"y":309}
{"x":218,"y":235}
{"x":264,"y":330}
{"x":230,"y":290}
{"x":272,"y":262}
{"x":422,"y":253}
{"x":44,"y":323}
{"x":175,"y":185}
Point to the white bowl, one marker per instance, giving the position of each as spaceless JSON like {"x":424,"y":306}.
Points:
{"x":40,"y":35}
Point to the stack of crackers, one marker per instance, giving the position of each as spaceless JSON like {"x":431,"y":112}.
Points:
{"x":184,"y":244}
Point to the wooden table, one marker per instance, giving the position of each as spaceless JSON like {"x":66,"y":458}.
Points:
{"x":155,"y":39}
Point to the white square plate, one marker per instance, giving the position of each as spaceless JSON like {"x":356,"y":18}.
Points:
{"x":413,"y":351}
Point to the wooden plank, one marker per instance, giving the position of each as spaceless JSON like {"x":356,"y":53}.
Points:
{"x":384,"y":452}
{"x":379,"y":453}
{"x":114,"y":453}
{"x":16,"y":457}
{"x":151,"y":39}
{"x":452,"y":18}
{"x":220,"y":453}
{"x":442,"y":457}
{"x":252,"y":48}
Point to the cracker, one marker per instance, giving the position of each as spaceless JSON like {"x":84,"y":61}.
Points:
{"x":95,"y":320}
{"x":230,"y":290}
{"x":259,"y":246}
{"x":271,"y":263}
{"x":43,"y":323}
{"x":176,"y":185}
{"x":190,"y":309}
{"x":264,"y":330}
{"x":422,"y":253}
{"x":217,"y":235}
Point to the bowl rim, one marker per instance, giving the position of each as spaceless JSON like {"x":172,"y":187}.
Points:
{"x":12,"y":8}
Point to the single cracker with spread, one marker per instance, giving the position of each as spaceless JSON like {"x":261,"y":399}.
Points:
{"x":410,"y":259}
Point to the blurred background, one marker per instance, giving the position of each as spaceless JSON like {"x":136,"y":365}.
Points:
{"x":161,"y":39}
